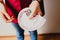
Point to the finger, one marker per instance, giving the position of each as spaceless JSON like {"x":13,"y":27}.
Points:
{"x":30,"y":17}
{"x":8,"y":21}
{"x":12,"y":17}
{"x":33,"y":14}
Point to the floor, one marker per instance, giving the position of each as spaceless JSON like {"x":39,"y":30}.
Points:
{"x":40,"y":37}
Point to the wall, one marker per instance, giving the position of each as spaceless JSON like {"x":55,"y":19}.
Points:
{"x":52,"y":15}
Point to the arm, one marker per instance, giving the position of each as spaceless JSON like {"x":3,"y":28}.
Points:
{"x":35,"y":7}
{"x":7,"y":20}
{"x":5,"y":15}
{"x":2,"y":10}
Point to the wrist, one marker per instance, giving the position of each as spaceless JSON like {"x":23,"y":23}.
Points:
{"x":34,"y":4}
{"x":35,"y":1}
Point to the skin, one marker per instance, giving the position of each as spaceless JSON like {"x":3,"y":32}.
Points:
{"x":34,"y":6}
{"x":5,"y":15}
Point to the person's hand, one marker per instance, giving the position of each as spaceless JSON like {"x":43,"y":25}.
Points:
{"x":9,"y":20}
{"x":5,"y":15}
{"x":35,"y":8}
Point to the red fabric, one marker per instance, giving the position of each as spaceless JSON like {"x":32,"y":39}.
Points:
{"x":17,"y":6}
{"x":11,"y":14}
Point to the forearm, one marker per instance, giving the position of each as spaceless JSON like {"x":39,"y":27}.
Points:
{"x":4,"y":18}
{"x":35,"y":3}
{"x":35,"y":0}
{"x":38,"y":0}
{"x":33,"y":6}
{"x":39,"y":9}
{"x":7,"y":16}
{"x":3,"y":10}
{"x":7,"y":20}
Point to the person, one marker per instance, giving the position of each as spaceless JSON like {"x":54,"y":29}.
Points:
{"x":14,"y":7}
{"x":3,"y":12}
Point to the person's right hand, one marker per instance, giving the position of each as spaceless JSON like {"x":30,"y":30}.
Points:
{"x":10,"y":20}
{"x":5,"y":14}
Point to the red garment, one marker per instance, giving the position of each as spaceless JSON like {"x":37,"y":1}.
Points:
{"x":17,"y":5}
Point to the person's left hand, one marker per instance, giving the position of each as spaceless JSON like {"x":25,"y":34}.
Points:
{"x":35,"y":8}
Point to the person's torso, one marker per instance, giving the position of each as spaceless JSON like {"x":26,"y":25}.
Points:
{"x":14,"y":7}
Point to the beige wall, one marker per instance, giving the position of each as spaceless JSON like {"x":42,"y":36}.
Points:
{"x":52,"y":15}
